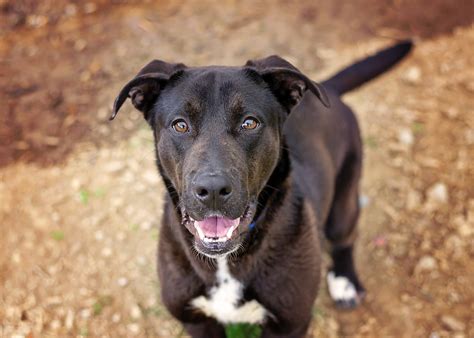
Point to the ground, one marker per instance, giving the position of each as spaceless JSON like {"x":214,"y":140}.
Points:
{"x":80,"y":199}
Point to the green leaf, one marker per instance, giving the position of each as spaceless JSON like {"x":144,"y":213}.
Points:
{"x":102,"y":302}
{"x":417,"y":127}
{"x":97,"y":308}
{"x":371,"y":142}
{"x":57,"y":235}
{"x":243,"y":331}
{"x":84,"y":196}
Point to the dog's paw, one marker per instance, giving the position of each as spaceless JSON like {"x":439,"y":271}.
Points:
{"x":202,"y":303}
{"x":252,"y":312}
{"x":343,"y":292}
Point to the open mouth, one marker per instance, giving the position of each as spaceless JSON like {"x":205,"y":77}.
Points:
{"x":215,"y":232}
{"x":216,"y":228}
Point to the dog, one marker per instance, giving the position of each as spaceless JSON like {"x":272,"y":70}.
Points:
{"x":260,"y":163}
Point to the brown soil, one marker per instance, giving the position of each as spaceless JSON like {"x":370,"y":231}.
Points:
{"x":80,"y":199}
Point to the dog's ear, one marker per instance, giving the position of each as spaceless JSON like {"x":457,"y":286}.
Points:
{"x":286,"y":82}
{"x":144,"y":88}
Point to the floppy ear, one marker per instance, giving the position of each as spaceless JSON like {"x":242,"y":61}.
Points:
{"x":145,"y":87}
{"x":286,"y":82}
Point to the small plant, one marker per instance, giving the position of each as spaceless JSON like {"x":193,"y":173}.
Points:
{"x":417,"y":127}
{"x":101,"y":302}
{"x":84,"y":196}
{"x":243,"y":331}
{"x":371,"y":142}
{"x":57,"y":235}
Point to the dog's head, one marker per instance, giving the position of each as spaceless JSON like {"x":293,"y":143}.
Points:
{"x":218,"y":139}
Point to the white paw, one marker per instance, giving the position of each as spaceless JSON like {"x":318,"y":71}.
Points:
{"x":251,"y":312}
{"x":202,"y":303}
{"x":341,"y":288}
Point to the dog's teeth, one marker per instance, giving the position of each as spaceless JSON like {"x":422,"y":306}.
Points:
{"x":231,"y":231}
{"x":200,"y":233}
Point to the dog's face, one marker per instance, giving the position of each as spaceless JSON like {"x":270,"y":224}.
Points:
{"x":218,"y":139}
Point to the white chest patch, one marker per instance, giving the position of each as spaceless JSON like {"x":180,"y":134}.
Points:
{"x":223,"y":299}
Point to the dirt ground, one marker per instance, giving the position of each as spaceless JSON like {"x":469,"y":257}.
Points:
{"x":80,"y":199}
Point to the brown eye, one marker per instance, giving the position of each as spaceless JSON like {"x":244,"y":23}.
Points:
{"x":250,"y":123}
{"x":180,"y":126}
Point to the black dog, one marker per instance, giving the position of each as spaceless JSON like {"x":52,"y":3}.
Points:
{"x":256,"y":159}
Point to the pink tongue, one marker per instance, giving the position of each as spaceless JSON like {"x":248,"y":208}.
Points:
{"x":216,"y":226}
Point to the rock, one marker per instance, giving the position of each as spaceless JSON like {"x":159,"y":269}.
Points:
{"x":122,"y":281}
{"x":146,"y":225}
{"x":135,"y":312}
{"x":86,"y":313}
{"x":134,"y":328}
{"x":463,"y":227}
{"x":413,"y":75}
{"x":55,"y":324}
{"x":426,"y":263}
{"x":405,"y":136}
{"x":364,"y":201}
{"x":437,"y":193}
{"x":116,"y":317}
{"x":452,"y":323}
{"x":141,"y":260}
{"x":106,"y":252}
{"x":69,"y":321}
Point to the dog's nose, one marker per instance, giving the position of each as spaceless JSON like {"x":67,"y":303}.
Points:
{"x":212,"y":190}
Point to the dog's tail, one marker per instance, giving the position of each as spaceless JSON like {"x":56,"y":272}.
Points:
{"x":367,"y":69}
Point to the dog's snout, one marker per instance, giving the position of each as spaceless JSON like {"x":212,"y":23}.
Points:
{"x":212,"y":190}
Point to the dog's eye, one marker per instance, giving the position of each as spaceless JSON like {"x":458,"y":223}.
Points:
{"x":250,"y":123}
{"x":180,"y":126}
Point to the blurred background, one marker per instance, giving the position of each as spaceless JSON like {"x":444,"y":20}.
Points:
{"x":80,"y":199}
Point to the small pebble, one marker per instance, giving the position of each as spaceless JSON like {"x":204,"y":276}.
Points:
{"x":86,"y":313}
{"x":55,"y":324}
{"x":69,"y":322}
{"x":135,"y":312}
{"x":413,"y":75}
{"x":106,"y":252}
{"x":122,"y":281}
{"x":426,"y":263}
{"x":146,"y":225}
{"x":405,"y":136}
{"x":134,"y":328}
{"x":116,"y":317}
{"x":438,"y":193}
{"x":141,"y":260}
{"x":364,"y":201}
{"x":452,"y":323}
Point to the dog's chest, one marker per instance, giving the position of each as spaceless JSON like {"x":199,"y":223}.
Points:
{"x":223,"y":300}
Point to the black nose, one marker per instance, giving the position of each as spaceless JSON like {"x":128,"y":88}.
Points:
{"x":212,"y":190}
